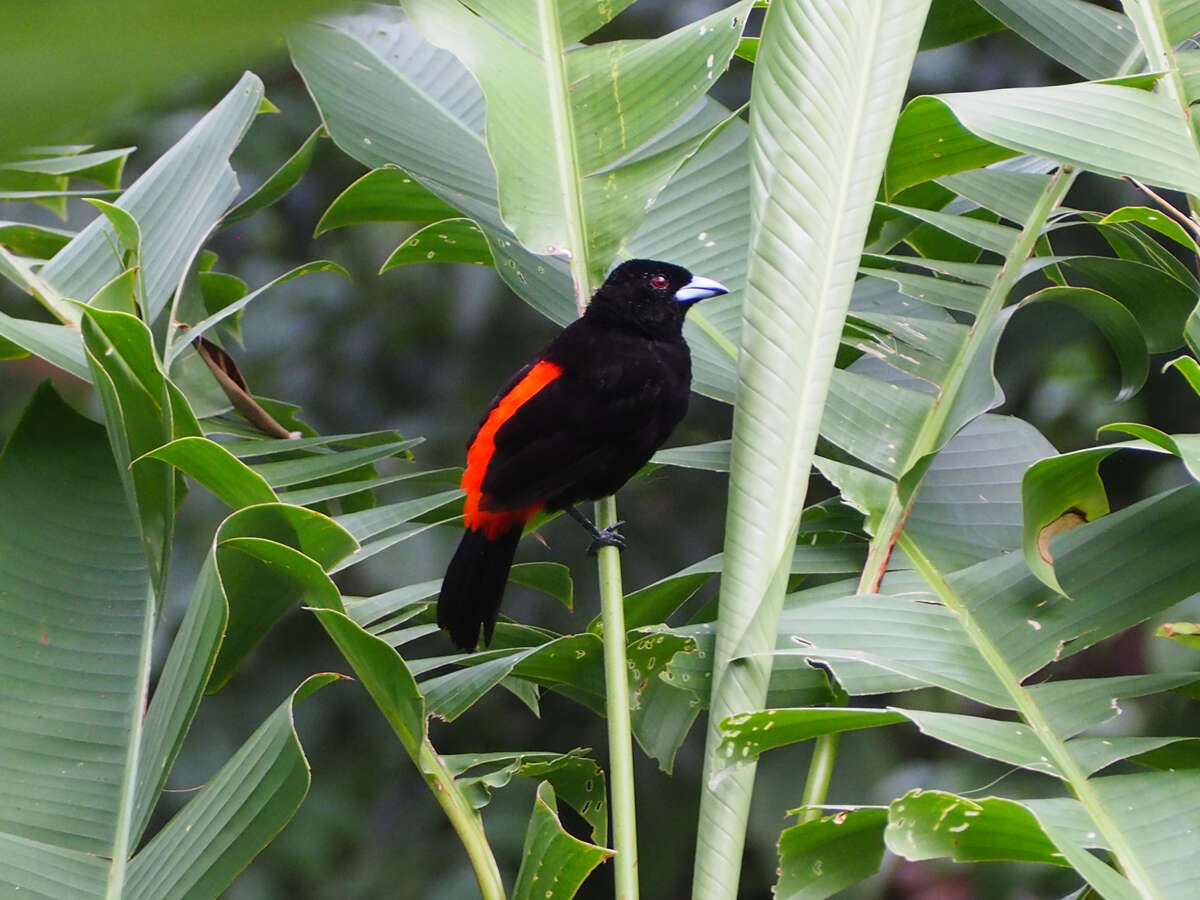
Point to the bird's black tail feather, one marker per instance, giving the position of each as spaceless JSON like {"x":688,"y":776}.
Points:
{"x":473,"y":586}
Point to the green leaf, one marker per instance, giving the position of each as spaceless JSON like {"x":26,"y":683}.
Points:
{"x":713,"y":456}
{"x":272,"y":559}
{"x":288,"y":472}
{"x":549,"y":578}
{"x":1153,"y":219}
{"x":1184,"y":446}
{"x":235,"y":483}
{"x":242,"y":807}
{"x":832,"y":76}
{"x":369,"y":523}
{"x":143,"y":410}
{"x":80,"y":623}
{"x":950,"y":22}
{"x":574,"y":660}
{"x":949,"y":133}
{"x":1060,"y":493}
{"x":860,"y":407}
{"x":177,"y":201}
{"x":968,"y":507}
{"x":1078,"y":704}
{"x":749,"y":734}
{"x":817,"y":859}
{"x":279,"y":184}
{"x":983,"y":234}
{"x":553,"y":863}
{"x":390,"y":683}
{"x":1105,"y":128}
{"x":1186,"y":633}
{"x":127,"y":231}
{"x":1094,"y":41}
{"x":197,"y":329}
{"x":575,"y":168}
{"x":1004,"y":188}
{"x":384,"y":675}
{"x":59,"y":345}
{"x":938,"y":291}
{"x":574,"y":777}
{"x":37,"y":241}
{"x":372,"y":75}
{"x":455,"y":240}
{"x":1118,"y":325}
{"x":119,"y":295}
{"x":383,"y":195}
{"x":1188,"y":368}
{"x":178,"y":690}
{"x":1159,"y":302}
{"x":929,"y":143}
{"x":937,"y":824}
{"x":102,"y":166}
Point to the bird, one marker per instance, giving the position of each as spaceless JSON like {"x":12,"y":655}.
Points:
{"x":573,"y":424}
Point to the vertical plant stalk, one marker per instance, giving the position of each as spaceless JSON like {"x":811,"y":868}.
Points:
{"x":608,"y":559}
{"x":465,"y":820}
{"x":893,"y":518}
{"x":616,"y":691}
{"x":566,"y":155}
{"x":827,"y":90}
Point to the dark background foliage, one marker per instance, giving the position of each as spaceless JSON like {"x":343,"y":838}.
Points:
{"x":421,"y":349}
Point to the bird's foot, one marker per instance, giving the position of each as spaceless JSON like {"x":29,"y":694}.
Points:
{"x":601,"y":537}
{"x":607,"y":537}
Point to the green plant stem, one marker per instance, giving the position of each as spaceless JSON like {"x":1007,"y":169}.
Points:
{"x":927,"y":441}
{"x":616,"y":689}
{"x":566,"y":156}
{"x":1056,"y":748}
{"x":467,"y":824}
{"x":820,"y":771}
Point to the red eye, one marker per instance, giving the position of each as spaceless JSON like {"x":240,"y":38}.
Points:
{"x":659,"y":282}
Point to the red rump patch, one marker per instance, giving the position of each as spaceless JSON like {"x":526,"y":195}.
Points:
{"x":495,"y":524}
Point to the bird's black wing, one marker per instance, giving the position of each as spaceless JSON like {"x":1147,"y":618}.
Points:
{"x":579,"y":434}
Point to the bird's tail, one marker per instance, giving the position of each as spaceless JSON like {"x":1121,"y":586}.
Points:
{"x":474,"y":584}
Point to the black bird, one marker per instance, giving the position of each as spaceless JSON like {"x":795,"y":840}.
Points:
{"x":575,"y":423}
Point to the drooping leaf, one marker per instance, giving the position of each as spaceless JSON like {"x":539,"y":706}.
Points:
{"x":819,"y":858}
{"x":383,"y":195}
{"x":553,"y":864}
{"x":454,"y":240}
{"x":278,"y":184}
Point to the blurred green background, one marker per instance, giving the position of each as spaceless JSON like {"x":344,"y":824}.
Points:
{"x":421,"y":350}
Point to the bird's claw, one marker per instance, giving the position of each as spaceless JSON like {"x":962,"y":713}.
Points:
{"x":607,"y":537}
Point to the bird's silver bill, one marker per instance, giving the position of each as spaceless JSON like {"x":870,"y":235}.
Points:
{"x":700,"y":288}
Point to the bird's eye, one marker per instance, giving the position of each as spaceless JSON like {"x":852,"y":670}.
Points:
{"x":659,"y":282}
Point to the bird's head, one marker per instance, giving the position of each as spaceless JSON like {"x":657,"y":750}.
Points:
{"x":650,"y":297}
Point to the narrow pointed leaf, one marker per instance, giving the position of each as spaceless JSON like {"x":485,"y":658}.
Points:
{"x":177,"y":201}
{"x":221,"y":829}
{"x":801,"y":272}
